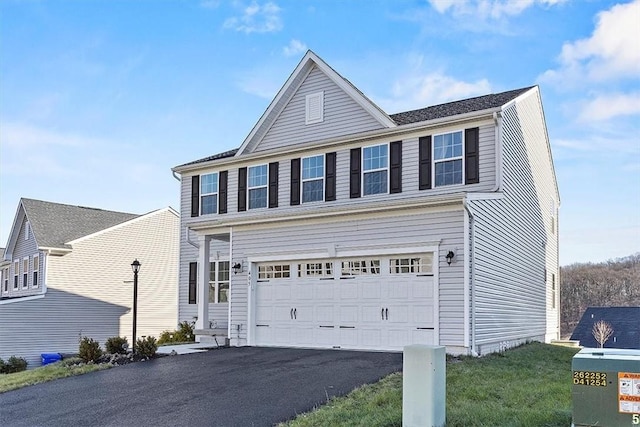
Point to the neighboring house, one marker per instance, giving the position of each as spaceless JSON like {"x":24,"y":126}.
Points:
{"x":625,"y":322}
{"x":67,"y":273}
{"x":336,"y":225}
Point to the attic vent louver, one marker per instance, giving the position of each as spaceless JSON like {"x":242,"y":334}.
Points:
{"x":314,"y":107}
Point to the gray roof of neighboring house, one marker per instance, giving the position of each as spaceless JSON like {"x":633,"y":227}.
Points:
{"x":55,"y":224}
{"x":448,"y":109}
{"x":623,"y":320}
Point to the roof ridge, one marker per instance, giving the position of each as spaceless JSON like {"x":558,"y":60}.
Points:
{"x":76,"y":206}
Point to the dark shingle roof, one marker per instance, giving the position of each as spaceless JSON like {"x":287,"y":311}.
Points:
{"x":454,"y":108}
{"x":625,"y":322}
{"x":55,"y":224}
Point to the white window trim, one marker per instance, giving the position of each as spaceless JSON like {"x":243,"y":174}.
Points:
{"x":433,"y":156}
{"x":373,"y":170}
{"x":249,"y":188}
{"x":216,"y":283}
{"x":16,"y":274}
{"x":210,"y":194}
{"x":25,"y":284}
{"x":35,"y":284}
{"x":314,"y":97}
{"x":322,"y":178}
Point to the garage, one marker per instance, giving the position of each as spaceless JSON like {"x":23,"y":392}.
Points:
{"x":363,"y":303}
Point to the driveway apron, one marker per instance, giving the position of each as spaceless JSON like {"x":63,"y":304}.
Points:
{"x":245,"y":386}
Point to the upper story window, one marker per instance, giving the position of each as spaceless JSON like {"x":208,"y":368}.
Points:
{"x":36,"y":269}
{"x":313,"y":179}
{"x":5,"y":280}
{"x":16,"y":274}
{"x":448,"y":159}
{"x":257,"y":185}
{"x":208,"y":194}
{"x":314,"y":108}
{"x":375,"y":169}
{"x":25,"y":272}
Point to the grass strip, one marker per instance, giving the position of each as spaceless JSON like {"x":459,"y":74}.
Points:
{"x":46,"y":373}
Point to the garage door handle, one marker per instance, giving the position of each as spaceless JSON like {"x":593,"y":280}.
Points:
{"x":382,"y":314}
{"x":295,"y":313}
{"x":291,"y":314}
{"x":386,"y":312}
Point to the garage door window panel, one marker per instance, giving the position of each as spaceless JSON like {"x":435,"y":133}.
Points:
{"x":274,"y":271}
{"x":359,"y":267}
{"x":318,"y":269}
{"x":411,"y":264}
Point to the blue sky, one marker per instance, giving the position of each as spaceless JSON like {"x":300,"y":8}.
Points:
{"x":99,"y":99}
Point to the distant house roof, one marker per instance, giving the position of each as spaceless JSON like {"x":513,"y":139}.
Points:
{"x":55,"y":224}
{"x":439,"y":111}
{"x":625,"y":322}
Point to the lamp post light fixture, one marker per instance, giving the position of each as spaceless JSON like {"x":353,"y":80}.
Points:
{"x":449,"y":257}
{"x":135,"y":266}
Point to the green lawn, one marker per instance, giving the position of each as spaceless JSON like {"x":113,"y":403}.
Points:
{"x":526,"y":386}
{"x":65,"y":368}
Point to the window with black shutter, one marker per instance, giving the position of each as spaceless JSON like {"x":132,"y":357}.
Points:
{"x":295,"y":182}
{"x":330,"y":177}
{"x":242,"y":189}
{"x":195,"y":195}
{"x":273,"y":185}
{"x":395,"y":171}
{"x":424,"y":169}
{"x":471,"y":157}
{"x":354,"y":175}
{"x":193,"y":282}
{"x":222,"y":192}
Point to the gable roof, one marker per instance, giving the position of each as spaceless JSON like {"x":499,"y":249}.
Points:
{"x":625,"y":322}
{"x":288,"y":90}
{"x":55,"y":224}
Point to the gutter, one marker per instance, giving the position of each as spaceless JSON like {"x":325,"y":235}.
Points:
{"x":470,"y":250}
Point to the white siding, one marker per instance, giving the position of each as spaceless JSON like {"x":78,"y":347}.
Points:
{"x":342,"y":116}
{"x":361,"y":231}
{"x":23,"y":249}
{"x":90,"y":290}
{"x":513,"y":246}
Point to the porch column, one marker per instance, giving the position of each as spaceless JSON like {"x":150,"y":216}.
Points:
{"x":203,"y":282}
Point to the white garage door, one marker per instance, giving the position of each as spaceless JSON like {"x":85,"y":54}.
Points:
{"x":373,"y":303}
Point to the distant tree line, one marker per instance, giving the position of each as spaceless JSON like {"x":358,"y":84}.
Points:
{"x":614,"y":283}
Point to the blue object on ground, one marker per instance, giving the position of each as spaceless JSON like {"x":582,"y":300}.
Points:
{"x":50,"y":358}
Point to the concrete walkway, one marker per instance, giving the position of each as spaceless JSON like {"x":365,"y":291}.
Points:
{"x":195,"y":347}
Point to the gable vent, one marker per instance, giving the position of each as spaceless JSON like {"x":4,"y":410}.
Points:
{"x":314,"y":108}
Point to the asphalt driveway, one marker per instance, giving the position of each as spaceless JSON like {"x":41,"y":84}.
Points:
{"x":245,"y":386}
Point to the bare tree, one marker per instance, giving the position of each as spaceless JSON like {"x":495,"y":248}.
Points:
{"x":602,"y":331}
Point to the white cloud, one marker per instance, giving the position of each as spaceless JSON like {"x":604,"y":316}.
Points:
{"x":257,"y":18}
{"x":23,"y":136}
{"x":488,"y":9}
{"x":295,"y":47}
{"x":611,"y":51}
{"x":605,"y":107}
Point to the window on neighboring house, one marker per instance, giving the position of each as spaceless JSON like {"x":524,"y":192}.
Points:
{"x":25,"y":273}
{"x":16,"y":274}
{"x":209,"y":194}
{"x":219,"y":282}
{"x":375,"y":169}
{"x":36,"y":269}
{"x":5,"y":280}
{"x":257,"y":185}
{"x":27,"y":230}
{"x":447,"y":158}
{"x":313,"y":179}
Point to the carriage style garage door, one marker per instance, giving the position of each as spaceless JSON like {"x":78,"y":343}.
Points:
{"x":372,"y":303}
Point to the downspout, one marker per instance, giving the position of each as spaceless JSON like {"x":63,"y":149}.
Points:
{"x":230,"y":287}
{"x":175,"y":175}
{"x":471,"y":252}
{"x":188,"y":238}
{"x":497,"y":120}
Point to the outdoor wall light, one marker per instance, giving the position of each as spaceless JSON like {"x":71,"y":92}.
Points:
{"x":449,"y":257}
{"x":237,"y":268}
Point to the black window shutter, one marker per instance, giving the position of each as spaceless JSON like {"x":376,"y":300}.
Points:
{"x":195,"y":195}
{"x":330,"y":177}
{"x":295,"y":182}
{"x":222,"y":192}
{"x":193,"y":282}
{"x":424,"y":170}
{"x":471,"y":157}
{"x":395,"y":161}
{"x":242,"y":189}
{"x":354,"y":178}
{"x":273,"y":185}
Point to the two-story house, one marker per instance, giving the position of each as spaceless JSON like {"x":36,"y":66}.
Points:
{"x":337,"y":225}
{"x":66,"y":273}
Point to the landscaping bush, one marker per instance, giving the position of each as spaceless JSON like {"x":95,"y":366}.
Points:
{"x":146,"y":347}
{"x":183,"y":334}
{"x":14,"y":364}
{"x":116,"y":345}
{"x":89,"y":350}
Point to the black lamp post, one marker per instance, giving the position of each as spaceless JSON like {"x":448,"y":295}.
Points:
{"x":135,"y":266}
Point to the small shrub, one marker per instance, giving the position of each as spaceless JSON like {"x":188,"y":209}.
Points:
{"x":89,"y":350}
{"x":183,"y":334}
{"x":146,"y":347}
{"x":70,"y":361}
{"x":14,"y":364}
{"x":116,"y":345}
